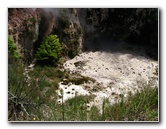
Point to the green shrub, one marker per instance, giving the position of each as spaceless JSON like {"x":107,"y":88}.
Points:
{"x":12,"y":50}
{"x":49,"y":51}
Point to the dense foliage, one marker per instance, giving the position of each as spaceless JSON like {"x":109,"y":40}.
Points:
{"x":49,"y":51}
{"x":12,"y":50}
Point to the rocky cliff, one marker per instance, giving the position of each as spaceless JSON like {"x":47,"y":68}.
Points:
{"x":28,"y":27}
{"x":23,"y":28}
{"x":84,"y":29}
{"x":105,"y":28}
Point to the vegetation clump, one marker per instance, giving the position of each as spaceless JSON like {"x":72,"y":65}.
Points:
{"x":12,"y":50}
{"x":49,"y":51}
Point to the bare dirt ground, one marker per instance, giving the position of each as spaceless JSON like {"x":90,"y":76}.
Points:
{"x":116,"y":74}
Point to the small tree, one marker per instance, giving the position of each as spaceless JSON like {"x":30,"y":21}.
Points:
{"x":49,"y":51}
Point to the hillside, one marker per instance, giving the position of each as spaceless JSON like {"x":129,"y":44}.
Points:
{"x":83,"y":64}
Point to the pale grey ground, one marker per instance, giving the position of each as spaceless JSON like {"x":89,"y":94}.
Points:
{"x":118,"y":74}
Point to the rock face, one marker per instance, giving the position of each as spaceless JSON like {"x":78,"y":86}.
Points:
{"x":28,"y":27}
{"x":88,"y":29}
{"x":105,"y":26}
{"x":23,"y":27}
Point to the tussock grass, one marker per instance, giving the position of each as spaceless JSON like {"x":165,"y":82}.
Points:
{"x":142,"y":106}
{"x":39,"y":100}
